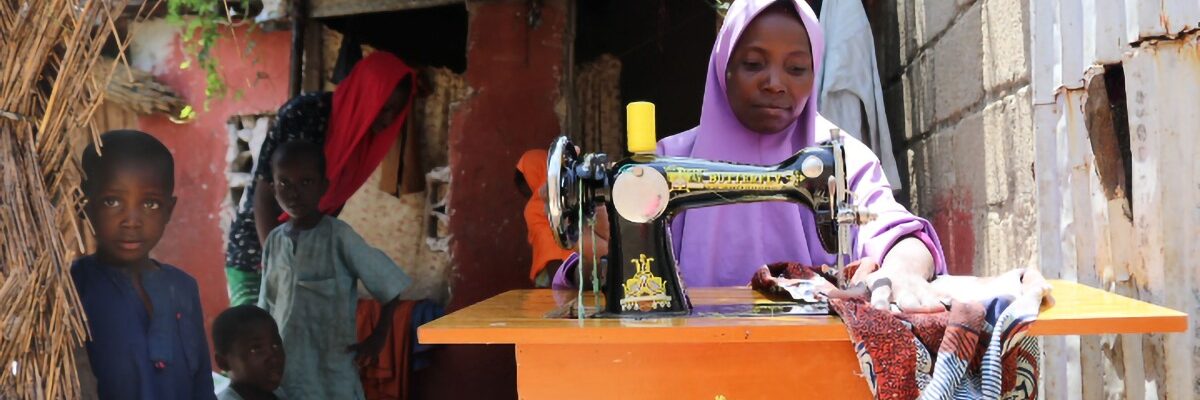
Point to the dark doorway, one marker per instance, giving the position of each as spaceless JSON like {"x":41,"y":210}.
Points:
{"x":432,"y":37}
{"x":663,"y":47}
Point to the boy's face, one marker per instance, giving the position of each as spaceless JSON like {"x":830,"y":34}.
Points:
{"x":299,"y":185}
{"x":257,"y":358}
{"x":129,"y":209}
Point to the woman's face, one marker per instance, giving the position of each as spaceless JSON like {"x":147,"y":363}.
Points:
{"x":393,"y":107}
{"x":770,"y":74}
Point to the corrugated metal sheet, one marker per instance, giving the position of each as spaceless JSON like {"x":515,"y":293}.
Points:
{"x":1104,"y":30}
{"x":1070,"y":33}
{"x":1089,"y":237}
{"x":1162,"y":80}
{"x":1044,"y":54}
{"x":1146,"y":19}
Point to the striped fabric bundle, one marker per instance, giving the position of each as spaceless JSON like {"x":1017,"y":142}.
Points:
{"x":982,"y":351}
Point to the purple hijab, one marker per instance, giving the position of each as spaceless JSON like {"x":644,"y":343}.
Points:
{"x":724,"y":245}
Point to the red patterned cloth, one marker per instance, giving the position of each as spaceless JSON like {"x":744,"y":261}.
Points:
{"x":977,"y":356}
{"x":972,"y":351}
{"x":886,"y":349}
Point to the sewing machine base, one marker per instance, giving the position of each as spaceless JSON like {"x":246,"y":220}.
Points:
{"x":758,"y":308}
{"x":773,"y":309}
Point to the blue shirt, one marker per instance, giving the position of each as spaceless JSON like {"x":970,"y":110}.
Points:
{"x":138,"y":356}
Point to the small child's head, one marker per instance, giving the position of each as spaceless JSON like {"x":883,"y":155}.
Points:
{"x":298,"y":169}
{"x":130,"y":194}
{"x":248,"y":346}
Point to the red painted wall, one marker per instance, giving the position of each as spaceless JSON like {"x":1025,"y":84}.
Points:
{"x":514,"y":71}
{"x":194,"y":240}
{"x":954,"y":223}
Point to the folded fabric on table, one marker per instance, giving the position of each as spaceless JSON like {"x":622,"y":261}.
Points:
{"x":982,"y":350}
{"x":975,"y":350}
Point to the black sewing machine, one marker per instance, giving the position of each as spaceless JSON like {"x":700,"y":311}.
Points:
{"x":643,"y":192}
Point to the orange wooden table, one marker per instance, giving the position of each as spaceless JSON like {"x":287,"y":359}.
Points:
{"x":710,"y":357}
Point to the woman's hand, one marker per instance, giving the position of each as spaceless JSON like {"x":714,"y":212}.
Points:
{"x":903,"y":279}
{"x":910,"y":293}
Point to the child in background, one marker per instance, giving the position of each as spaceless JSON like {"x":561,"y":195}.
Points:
{"x":312,"y":266}
{"x":145,"y":317}
{"x":247,"y":345}
{"x":547,"y":255}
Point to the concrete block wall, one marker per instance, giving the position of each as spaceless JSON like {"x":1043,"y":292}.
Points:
{"x":957,"y":89}
{"x":989,"y":98}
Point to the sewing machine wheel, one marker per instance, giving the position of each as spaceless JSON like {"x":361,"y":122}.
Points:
{"x":562,"y":192}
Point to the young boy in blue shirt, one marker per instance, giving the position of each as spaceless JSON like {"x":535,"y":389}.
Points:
{"x":147,"y":329}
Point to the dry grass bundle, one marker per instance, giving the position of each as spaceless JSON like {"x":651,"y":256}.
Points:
{"x":47,"y":93}
{"x":137,"y":90}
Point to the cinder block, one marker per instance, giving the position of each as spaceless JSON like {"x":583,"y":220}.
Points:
{"x":1008,"y":138}
{"x":932,"y":170}
{"x":919,"y":98}
{"x":1005,"y":42}
{"x":969,"y":155}
{"x":933,"y":17}
{"x":958,"y":66}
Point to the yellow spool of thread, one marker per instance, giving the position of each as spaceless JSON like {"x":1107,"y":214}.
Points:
{"x":639,"y":117}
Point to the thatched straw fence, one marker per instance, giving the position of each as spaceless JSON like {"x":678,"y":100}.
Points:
{"x":49,"y":52}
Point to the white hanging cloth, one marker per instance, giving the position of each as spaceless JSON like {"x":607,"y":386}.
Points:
{"x":850,"y":92}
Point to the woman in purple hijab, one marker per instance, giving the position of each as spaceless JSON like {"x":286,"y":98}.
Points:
{"x":760,"y":107}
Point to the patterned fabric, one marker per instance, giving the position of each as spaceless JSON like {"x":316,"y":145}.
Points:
{"x":886,"y":349}
{"x":303,"y":117}
{"x":982,"y":350}
{"x":243,"y":286}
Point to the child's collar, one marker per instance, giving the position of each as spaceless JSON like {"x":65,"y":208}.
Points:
{"x":127,"y":269}
{"x":293,"y":231}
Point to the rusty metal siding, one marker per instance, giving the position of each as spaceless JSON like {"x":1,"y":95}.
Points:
{"x":1163,"y":79}
{"x":1149,"y":19}
{"x":1092,"y":236}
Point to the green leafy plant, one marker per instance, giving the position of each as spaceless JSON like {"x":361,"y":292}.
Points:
{"x":203,"y":23}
